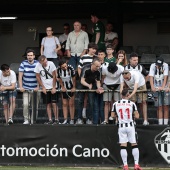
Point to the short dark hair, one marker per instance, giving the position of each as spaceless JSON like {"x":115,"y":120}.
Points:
{"x":124,"y":92}
{"x":4,"y":67}
{"x":30,"y":50}
{"x":41,"y":57}
{"x":92,"y":45}
{"x":133,"y":54}
{"x":101,"y":51}
{"x":50,"y":27}
{"x":110,"y":46}
{"x":96,"y":14}
{"x":62,"y":61}
{"x":67,"y":25}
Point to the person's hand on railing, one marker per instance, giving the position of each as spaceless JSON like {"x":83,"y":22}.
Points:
{"x":53,"y":91}
{"x":44,"y":90}
{"x":63,"y":89}
{"x":100,"y":90}
{"x":22,"y":89}
{"x":90,"y":86}
{"x":73,"y":90}
{"x":36,"y":89}
{"x":2,"y":88}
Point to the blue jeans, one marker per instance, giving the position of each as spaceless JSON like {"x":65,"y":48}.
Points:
{"x":90,"y":100}
{"x":98,"y":108}
{"x":74,"y":61}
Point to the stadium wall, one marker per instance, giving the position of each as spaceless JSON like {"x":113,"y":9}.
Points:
{"x":80,"y":145}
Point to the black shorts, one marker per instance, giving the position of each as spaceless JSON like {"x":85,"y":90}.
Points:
{"x":67,"y":95}
{"x":50,"y":98}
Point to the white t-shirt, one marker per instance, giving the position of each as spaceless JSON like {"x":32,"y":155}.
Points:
{"x":110,"y":36}
{"x":111,"y":78}
{"x":8,"y":80}
{"x":136,"y":77}
{"x":50,"y":46}
{"x":158,"y":74}
{"x":62,"y":38}
{"x":45,"y":78}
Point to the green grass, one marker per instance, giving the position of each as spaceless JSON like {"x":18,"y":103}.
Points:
{"x":64,"y":168}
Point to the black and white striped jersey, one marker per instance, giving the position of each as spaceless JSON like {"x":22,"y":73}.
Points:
{"x":124,"y":110}
{"x":66,"y":76}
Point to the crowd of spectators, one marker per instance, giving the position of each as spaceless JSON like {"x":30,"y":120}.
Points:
{"x":83,"y":61}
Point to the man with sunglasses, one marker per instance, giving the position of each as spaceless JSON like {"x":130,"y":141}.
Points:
{"x":134,"y":80}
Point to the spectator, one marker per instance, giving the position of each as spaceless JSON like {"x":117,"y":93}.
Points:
{"x":84,"y":60}
{"x":109,"y":54}
{"x":98,"y":99}
{"x":135,"y":66}
{"x":98,"y":31}
{"x":159,"y":85}
{"x":27,"y":81}
{"x":90,"y":79}
{"x":121,"y":58}
{"x":109,"y":34}
{"x":115,"y":44}
{"x":111,"y":81}
{"x":50,"y":46}
{"x":66,"y":76}
{"x":85,"y":28}
{"x":134,"y":80}
{"x":76,"y":45}
{"x":46,"y":76}
{"x":63,"y":40}
{"x":8,"y":92}
{"x":126,"y":130}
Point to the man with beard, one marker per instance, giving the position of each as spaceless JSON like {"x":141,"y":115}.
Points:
{"x":27,"y":81}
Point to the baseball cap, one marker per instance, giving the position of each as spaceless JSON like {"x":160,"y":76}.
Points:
{"x":112,"y":67}
{"x":159,"y":61}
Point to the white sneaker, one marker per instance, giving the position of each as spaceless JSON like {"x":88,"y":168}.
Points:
{"x":65,"y":122}
{"x":79,"y":122}
{"x":26,"y":122}
{"x":145,"y":123}
{"x":72,"y":122}
{"x":10,"y":121}
{"x":89,"y":122}
{"x":111,"y":118}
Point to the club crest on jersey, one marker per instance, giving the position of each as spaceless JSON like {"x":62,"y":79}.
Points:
{"x":162,"y":143}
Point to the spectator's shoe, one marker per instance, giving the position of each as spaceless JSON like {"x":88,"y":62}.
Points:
{"x":65,"y":122}
{"x":72,"y":122}
{"x":10,"y":121}
{"x":56,"y":122}
{"x":137,"y":167}
{"x":26,"y":122}
{"x":50,"y":122}
{"x":145,"y":123}
{"x":89,"y":122}
{"x":104,"y":123}
{"x":79,"y":122}
{"x":125,"y":167}
{"x":111,"y":118}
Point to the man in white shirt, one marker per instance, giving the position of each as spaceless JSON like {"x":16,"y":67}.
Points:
{"x":109,"y":34}
{"x":111,"y":81}
{"x":134,"y":80}
{"x":159,"y":85}
{"x":46,"y":76}
{"x":7,"y":91}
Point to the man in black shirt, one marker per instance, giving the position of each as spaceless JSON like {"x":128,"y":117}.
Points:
{"x":90,"y":79}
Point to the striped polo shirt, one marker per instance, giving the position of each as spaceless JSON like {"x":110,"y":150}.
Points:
{"x":29,"y":76}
